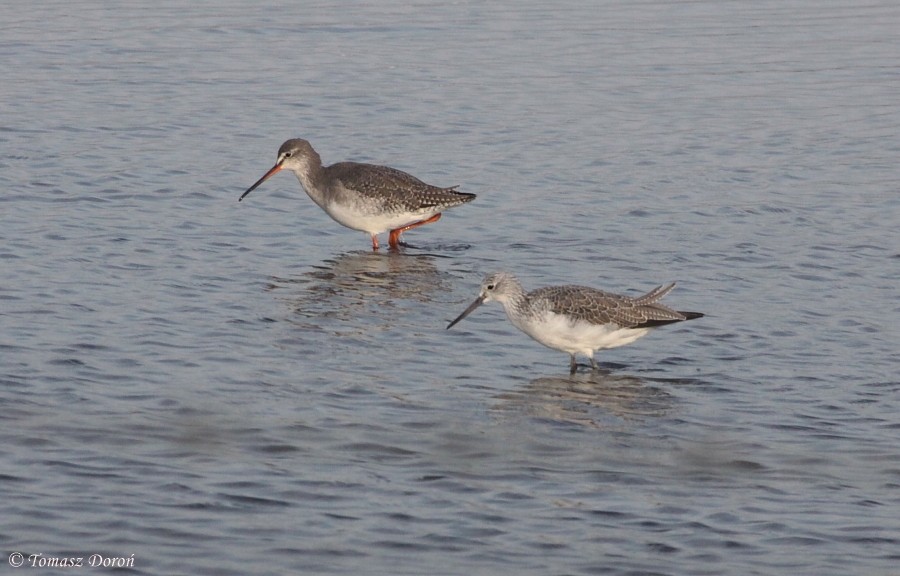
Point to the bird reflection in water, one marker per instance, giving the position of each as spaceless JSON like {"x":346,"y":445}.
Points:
{"x":597,"y":399}
{"x":360,"y":288}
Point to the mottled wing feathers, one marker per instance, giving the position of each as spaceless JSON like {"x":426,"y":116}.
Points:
{"x":392,"y":186}
{"x":599,"y":307}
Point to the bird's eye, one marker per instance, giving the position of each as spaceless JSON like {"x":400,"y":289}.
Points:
{"x":490,"y":286}
{"x":288,"y":154}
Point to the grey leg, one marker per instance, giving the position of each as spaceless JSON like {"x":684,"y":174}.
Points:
{"x":573,"y":366}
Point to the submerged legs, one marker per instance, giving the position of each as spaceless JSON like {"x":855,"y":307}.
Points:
{"x":573,"y":365}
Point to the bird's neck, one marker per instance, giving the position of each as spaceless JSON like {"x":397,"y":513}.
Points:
{"x":516,"y":306}
{"x":312,"y":177}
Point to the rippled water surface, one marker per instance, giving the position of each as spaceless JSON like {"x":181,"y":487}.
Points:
{"x":224,"y":388}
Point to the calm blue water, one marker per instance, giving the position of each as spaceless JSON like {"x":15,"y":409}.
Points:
{"x":224,"y":388}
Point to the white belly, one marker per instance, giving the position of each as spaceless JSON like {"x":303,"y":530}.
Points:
{"x":374,"y":222}
{"x":561,"y":333}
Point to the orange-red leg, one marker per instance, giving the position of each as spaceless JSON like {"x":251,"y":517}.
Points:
{"x":394,"y":237}
{"x":374,"y":241}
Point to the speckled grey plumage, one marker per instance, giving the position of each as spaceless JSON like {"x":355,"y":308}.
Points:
{"x":599,"y":307}
{"x":391,"y":189}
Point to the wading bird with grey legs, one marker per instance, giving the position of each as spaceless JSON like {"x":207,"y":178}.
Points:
{"x":577,"y":319}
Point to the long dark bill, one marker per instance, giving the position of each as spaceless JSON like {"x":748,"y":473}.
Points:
{"x":272,"y":171}
{"x":478,"y":302}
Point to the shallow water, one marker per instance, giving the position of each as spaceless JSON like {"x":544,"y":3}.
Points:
{"x":224,"y":388}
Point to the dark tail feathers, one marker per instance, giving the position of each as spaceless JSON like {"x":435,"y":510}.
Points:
{"x":655,"y":323}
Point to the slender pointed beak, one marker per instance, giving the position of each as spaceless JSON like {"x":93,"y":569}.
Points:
{"x":272,"y":171}
{"x":478,"y":302}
